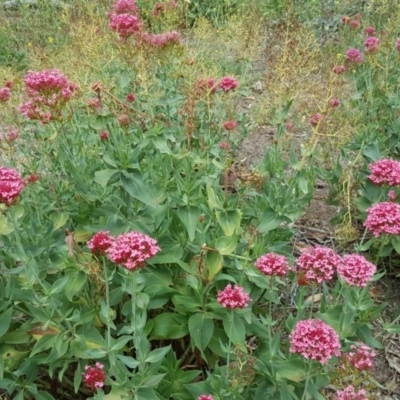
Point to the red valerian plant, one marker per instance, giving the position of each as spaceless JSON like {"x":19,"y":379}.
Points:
{"x":385,"y":171}
{"x":11,"y":185}
{"x":338,"y":69}
{"x":100,"y":242}
{"x":48,"y":92}
{"x":234,"y":297}
{"x":228,"y":83}
{"x":354,"y":55}
{"x":361,"y":356}
{"x":383,"y":218}
{"x":371,"y":44}
{"x":356,"y":270}
{"x":94,"y":377}
{"x":314,"y":340}
{"x":205,"y":397}
{"x":5,"y":94}
{"x":350,"y":394}
{"x":318,"y":264}
{"x":272,"y":264}
{"x":132,"y":249}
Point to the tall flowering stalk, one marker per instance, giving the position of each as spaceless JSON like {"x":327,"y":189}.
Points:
{"x":232,"y":298}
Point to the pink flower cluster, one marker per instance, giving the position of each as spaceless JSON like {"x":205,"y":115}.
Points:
{"x":206,"y":84}
{"x":370,"y":31}
{"x":159,"y":40}
{"x":361,"y":356}
{"x":272,"y":264}
{"x":354,"y":55}
{"x":383,"y":218}
{"x":338,"y":69}
{"x":233,"y":297}
{"x":385,"y":171}
{"x":94,"y":377}
{"x":356,"y":270}
{"x":9,"y":135}
{"x":318,"y":264}
{"x":205,"y":397}
{"x":315,"y":119}
{"x":314,"y":340}
{"x":228,"y":83}
{"x":11,"y":185}
{"x":230,"y":125}
{"x":100,"y":242}
{"x":132,"y":249}
{"x":48,"y":91}
{"x":334,"y":103}
{"x":371,"y":44}
{"x":5,"y":94}
{"x":124,"y":24}
{"x":350,"y":394}
{"x":125,"y":7}
{"x":398,"y":45}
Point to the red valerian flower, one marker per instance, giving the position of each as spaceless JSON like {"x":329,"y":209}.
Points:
{"x":132,"y":249}
{"x":228,"y":83}
{"x":94,"y":377}
{"x":361,"y":356}
{"x":338,"y":69}
{"x":11,"y":185}
{"x":230,"y":125}
{"x":5,"y":94}
{"x":234,"y":297}
{"x":100,"y":242}
{"x":272,"y":264}
{"x":356,"y":270}
{"x":385,"y":171}
{"x":314,"y":340}
{"x":383,"y":218}
{"x":349,"y":393}
{"x":354,"y":55}
{"x":371,"y":44}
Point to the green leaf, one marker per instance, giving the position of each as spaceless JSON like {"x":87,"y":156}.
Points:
{"x":145,"y":394}
{"x":76,"y":280}
{"x":59,"y":220}
{"x":157,"y":354}
{"x":5,"y":321}
{"x":364,"y":333}
{"x":5,"y":228}
{"x":235,"y":329}
{"x":169,"y":326}
{"x":138,"y":189}
{"x":294,"y":370}
{"x":102,"y":177}
{"x":130,"y":362}
{"x":153,"y":380}
{"x":226,"y":244}
{"x":270,"y":220}
{"x":213,"y":202}
{"x":201,"y":330}
{"x":189,"y":215}
{"x":229,"y":221}
{"x":213,"y":262}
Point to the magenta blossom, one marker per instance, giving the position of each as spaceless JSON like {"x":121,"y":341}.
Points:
{"x":398,"y":45}
{"x":206,"y":84}
{"x":392,"y":195}
{"x":233,"y":297}
{"x":230,"y":125}
{"x":130,"y":97}
{"x":314,"y":340}
{"x":205,"y":397}
{"x":104,"y":135}
{"x":124,"y":24}
{"x":338,"y":69}
{"x":318,"y":264}
{"x":370,"y":31}
{"x":371,"y":44}
{"x":94,"y":377}
{"x":11,"y":185}
{"x":356,"y":270}
{"x":125,"y":7}
{"x":228,"y":83}
{"x":350,"y":394}
{"x":272,"y":264}
{"x":159,"y":40}
{"x":100,"y":242}
{"x":354,"y":55}
{"x":132,"y":249}
{"x":361,"y":356}
{"x":383,"y":218}
{"x":5,"y":94}
{"x":385,"y":171}
{"x":334,"y":103}
{"x":315,"y":119}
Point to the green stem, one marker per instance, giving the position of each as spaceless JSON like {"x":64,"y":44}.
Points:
{"x":229,"y":345}
{"x":107,"y":303}
{"x":304,"y":396}
{"x":133,"y":298}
